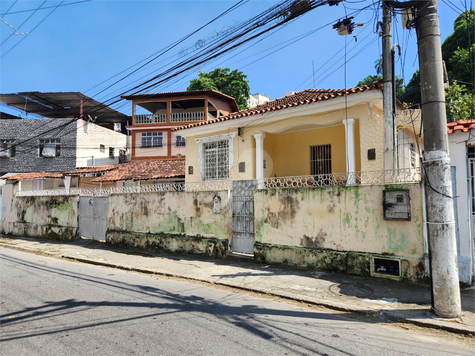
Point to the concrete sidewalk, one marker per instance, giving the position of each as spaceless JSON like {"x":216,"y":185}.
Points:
{"x":378,"y":298}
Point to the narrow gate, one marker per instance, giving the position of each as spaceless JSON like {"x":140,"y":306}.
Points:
{"x":243,"y":216}
{"x":93,"y":217}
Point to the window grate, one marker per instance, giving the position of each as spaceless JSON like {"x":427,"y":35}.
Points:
{"x":320,"y":159}
{"x":216,"y":160}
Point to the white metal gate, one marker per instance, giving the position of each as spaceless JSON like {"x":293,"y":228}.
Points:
{"x":243,"y":216}
{"x":93,"y":217}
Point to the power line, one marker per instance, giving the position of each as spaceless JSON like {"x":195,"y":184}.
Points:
{"x":32,"y":29}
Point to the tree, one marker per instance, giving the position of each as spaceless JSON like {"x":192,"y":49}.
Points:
{"x":458,"y":48}
{"x":371,"y":79}
{"x":412,"y":93}
{"x":459,"y":103}
{"x":233,"y":83}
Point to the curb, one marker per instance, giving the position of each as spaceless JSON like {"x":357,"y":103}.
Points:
{"x":380,"y":314}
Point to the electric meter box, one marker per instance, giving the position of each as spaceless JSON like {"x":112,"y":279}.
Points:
{"x":396,"y":204}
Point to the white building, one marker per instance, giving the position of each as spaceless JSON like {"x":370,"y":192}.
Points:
{"x":257,"y":99}
{"x":462,"y":162}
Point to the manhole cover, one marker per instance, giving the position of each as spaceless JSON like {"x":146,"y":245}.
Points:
{"x":351,"y":289}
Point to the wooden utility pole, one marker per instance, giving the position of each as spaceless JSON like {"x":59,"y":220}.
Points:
{"x":438,"y":182}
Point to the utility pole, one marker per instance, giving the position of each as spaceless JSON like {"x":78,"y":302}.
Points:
{"x":388,"y":123}
{"x":438,"y":182}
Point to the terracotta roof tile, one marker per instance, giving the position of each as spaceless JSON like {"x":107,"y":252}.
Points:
{"x":145,"y":170}
{"x":461,"y":125}
{"x":303,"y":97}
{"x":33,"y":175}
{"x":93,"y":169}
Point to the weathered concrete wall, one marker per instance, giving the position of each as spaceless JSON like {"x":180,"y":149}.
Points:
{"x":171,"y":221}
{"x":52,"y":217}
{"x":337,"y":229}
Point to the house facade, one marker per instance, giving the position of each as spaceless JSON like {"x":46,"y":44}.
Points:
{"x":155,"y":115}
{"x":309,"y":133}
{"x":462,"y":162}
{"x":56,"y":145}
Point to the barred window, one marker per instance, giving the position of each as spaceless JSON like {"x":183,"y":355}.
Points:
{"x":321,"y":159}
{"x":50,"y":147}
{"x":152,"y":139}
{"x":216,"y":160}
{"x":7,"y":148}
{"x":180,"y":141}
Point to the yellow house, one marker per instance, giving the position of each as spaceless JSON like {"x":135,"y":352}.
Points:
{"x":318,"y":133}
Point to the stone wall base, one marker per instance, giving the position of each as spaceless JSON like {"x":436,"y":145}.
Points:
{"x":215,"y":248}
{"x":344,"y":262}
{"x":42,"y":231}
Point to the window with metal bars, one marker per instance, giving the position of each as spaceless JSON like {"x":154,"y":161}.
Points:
{"x":216,"y":160}
{"x":320,"y":159}
{"x":180,"y":141}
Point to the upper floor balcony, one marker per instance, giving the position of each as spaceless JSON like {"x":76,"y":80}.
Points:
{"x":175,"y":109}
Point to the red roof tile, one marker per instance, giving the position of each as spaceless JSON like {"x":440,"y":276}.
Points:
{"x":145,"y":170}
{"x":93,"y":169}
{"x":33,"y":175}
{"x":461,"y":125}
{"x":307,"y":96}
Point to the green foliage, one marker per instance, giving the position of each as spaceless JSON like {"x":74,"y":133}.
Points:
{"x":456,"y":48}
{"x":412,"y":93}
{"x":233,"y":83}
{"x":371,"y":79}
{"x":459,"y":103}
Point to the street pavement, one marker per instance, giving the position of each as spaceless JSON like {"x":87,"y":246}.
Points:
{"x":379,"y":299}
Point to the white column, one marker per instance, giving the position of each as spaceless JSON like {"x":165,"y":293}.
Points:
{"x":260,"y":159}
{"x":350,"y":150}
{"x":67,"y":184}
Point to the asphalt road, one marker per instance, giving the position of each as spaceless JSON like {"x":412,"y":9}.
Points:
{"x":57,"y":307}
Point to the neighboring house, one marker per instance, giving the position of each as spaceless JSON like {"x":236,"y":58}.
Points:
{"x":311,"y":132}
{"x":56,"y":145}
{"x":79,"y":131}
{"x":257,"y":99}
{"x":462,"y":162}
{"x":155,"y":115}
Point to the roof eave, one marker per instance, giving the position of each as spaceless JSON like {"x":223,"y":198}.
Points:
{"x":318,"y":107}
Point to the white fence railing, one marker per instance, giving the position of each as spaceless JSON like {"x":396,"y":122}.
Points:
{"x":187,"y":116}
{"x":408,"y":175}
{"x":148,"y":188}
{"x":150,"y":118}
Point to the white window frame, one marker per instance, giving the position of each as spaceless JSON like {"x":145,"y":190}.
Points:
{"x":201,"y":141}
{"x":56,"y":142}
{"x":151,"y":136}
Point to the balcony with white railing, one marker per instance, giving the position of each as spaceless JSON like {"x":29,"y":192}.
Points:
{"x":150,"y":118}
{"x":187,"y":116}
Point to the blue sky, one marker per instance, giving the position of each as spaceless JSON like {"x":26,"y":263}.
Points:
{"x":79,"y":46}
